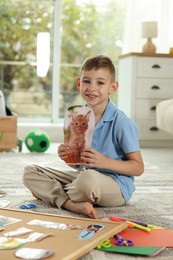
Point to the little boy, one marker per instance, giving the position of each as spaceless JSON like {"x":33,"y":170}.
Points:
{"x":110,"y":165}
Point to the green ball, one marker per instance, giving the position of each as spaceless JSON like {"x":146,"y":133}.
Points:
{"x":37,"y":141}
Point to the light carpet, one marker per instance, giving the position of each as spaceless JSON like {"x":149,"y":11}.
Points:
{"x":152,"y":201}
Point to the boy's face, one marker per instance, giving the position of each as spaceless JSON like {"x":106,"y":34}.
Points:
{"x":95,"y":86}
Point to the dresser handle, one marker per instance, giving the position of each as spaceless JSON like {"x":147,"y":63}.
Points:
{"x":154,"y":128}
{"x":155,"y":87}
{"x":156,"y":66}
{"x":153,"y":108}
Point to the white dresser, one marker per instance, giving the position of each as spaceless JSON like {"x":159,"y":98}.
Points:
{"x":144,"y":81}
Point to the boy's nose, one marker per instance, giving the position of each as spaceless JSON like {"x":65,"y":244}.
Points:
{"x":92,"y":86}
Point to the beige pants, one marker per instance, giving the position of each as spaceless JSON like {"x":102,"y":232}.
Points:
{"x":55,"y":187}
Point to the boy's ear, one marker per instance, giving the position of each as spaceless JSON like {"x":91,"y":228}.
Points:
{"x":78,"y":83}
{"x":114,"y":87}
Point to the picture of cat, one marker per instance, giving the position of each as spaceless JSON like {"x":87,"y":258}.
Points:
{"x":76,"y":134}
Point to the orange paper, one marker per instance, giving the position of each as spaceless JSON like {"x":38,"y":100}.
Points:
{"x":157,"y":237}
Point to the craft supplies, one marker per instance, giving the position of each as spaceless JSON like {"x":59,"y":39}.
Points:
{"x":131,"y":224}
{"x":105,"y":244}
{"x":18,"y":232}
{"x":145,"y":243}
{"x":28,"y":206}
{"x":65,"y":231}
{"x":139,"y":226}
{"x":36,"y":236}
{"x":120,"y":220}
{"x":90,"y":231}
{"x":128,"y":219}
{"x":6,"y":243}
{"x":54,"y":225}
{"x":121,"y":241}
{"x":33,"y":253}
{"x":5,"y":221}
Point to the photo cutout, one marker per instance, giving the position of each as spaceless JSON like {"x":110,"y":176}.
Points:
{"x":79,"y":123}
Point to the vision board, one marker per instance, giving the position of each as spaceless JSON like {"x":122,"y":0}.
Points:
{"x":70,"y":237}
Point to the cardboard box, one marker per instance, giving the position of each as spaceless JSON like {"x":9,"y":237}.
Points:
{"x":8,"y":132}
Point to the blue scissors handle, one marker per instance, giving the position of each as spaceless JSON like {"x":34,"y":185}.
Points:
{"x":27,"y":206}
{"x":120,"y":241}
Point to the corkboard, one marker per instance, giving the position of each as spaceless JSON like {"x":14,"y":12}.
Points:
{"x":64,"y":243}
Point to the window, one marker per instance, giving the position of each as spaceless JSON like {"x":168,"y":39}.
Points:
{"x":77,"y":28}
{"x":27,"y":95}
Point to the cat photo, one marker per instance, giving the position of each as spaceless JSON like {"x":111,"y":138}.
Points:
{"x":79,"y":125}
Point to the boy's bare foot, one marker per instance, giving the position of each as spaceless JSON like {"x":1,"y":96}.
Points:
{"x":85,"y":208}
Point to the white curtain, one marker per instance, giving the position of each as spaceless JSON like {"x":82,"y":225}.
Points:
{"x":139,"y":11}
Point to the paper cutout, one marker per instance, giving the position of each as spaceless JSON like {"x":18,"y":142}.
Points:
{"x":90,"y":231}
{"x":10,"y":243}
{"x":79,"y":123}
{"x":4,"y":221}
{"x":18,"y":232}
{"x":32,"y":253}
{"x":36,"y":236}
{"x":54,"y":225}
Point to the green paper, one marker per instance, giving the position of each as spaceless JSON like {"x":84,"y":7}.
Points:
{"x":135,"y":250}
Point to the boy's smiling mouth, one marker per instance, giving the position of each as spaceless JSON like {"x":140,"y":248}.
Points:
{"x":91,"y":95}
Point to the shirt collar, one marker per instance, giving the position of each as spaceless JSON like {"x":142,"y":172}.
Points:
{"x":109,"y":112}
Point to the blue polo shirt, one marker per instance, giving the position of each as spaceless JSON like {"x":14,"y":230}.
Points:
{"x":114,"y":136}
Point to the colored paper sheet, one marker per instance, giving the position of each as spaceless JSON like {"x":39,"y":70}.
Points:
{"x":134,"y":250}
{"x":157,"y":237}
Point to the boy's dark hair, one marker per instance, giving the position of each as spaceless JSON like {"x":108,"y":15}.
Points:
{"x":98,"y":62}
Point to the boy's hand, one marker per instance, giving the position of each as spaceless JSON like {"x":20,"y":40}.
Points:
{"x":63,"y":151}
{"x":90,"y":157}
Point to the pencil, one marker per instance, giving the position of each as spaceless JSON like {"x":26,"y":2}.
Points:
{"x":138,"y":226}
{"x":132,"y":220}
{"x":115,"y":219}
{"x":154,"y":227}
{"x":120,"y":220}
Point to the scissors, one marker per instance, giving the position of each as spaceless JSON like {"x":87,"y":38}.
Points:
{"x":120,"y":241}
{"x":105,"y":244}
{"x":27,"y":206}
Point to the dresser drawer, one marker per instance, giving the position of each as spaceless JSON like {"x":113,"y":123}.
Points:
{"x":154,"y":67}
{"x":154,"y":88}
{"x":146,"y":80}
{"x":148,"y":130}
{"x":146,"y":108}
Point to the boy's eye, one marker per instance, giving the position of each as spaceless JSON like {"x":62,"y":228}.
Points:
{"x":100,"y":83}
{"x":85,"y":81}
